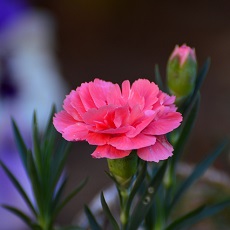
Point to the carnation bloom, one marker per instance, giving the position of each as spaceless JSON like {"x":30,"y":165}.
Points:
{"x":119,"y":120}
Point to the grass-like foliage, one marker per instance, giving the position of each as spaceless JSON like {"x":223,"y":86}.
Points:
{"x":44,"y":165}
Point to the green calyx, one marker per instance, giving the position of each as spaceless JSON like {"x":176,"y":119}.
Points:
{"x":181,"y":78}
{"x":123,"y":169}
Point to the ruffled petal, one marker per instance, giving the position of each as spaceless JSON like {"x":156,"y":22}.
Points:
{"x":161,"y":150}
{"x":99,"y":90}
{"x":166,"y":123}
{"x":68,"y":107}
{"x":110,"y":152}
{"x":76,"y":132}
{"x":96,"y":116}
{"x":62,"y":120}
{"x":125,"y":143}
{"x":114,"y":96}
{"x":147,"y":90}
{"x":76,"y":102}
{"x":86,"y":97}
{"x":126,"y":90}
{"x":97,"y":138}
{"x":146,"y":119}
{"x":121,"y":116}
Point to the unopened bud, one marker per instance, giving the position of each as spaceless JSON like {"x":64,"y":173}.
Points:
{"x":181,"y":72}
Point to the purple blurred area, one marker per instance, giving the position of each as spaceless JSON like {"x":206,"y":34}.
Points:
{"x":11,"y":10}
{"x":118,"y":40}
{"x":30,"y":80}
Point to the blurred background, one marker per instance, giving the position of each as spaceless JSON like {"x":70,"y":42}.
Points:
{"x":50,"y":47}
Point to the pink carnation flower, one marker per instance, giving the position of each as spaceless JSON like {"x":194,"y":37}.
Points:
{"x":118,"y":120}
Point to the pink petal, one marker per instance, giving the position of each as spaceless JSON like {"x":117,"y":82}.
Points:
{"x":99,"y":90}
{"x":165,"y":124}
{"x":69,"y":108}
{"x":147,"y":117}
{"x":76,"y":132}
{"x":125,"y":143}
{"x":136,"y":99}
{"x":121,"y":116}
{"x":121,"y":130}
{"x":94,"y":116}
{"x":161,"y":150}
{"x":76,"y":102}
{"x":126,"y":89}
{"x":114,"y":96}
{"x":110,"y":152}
{"x":62,"y":120}
{"x":86,"y":97}
{"x":147,"y":90}
{"x":97,"y":138}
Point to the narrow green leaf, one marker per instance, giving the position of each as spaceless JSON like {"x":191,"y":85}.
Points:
{"x":202,"y":74}
{"x":158,"y":79}
{"x":18,"y":186}
{"x":137,"y":185}
{"x":49,"y":126}
{"x":197,"y":215}
{"x":36,"y":144}
{"x":185,"y":131}
{"x":150,"y":218}
{"x":22,"y":216}
{"x":35,"y":182}
{"x":200,"y":79}
{"x":108,"y":213}
{"x":146,"y":200}
{"x":198,"y":172}
{"x":159,"y":211}
{"x":59,"y":161}
{"x":187,"y":126}
{"x":59,"y":193}
{"x":182,"y":220}
{"x":92,"y":220}
{"x":116,"y":184}
{"x":70,"y":196}
{"x":20,"y":145}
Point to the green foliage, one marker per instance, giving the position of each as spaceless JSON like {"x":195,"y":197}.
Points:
{"x":108,"y":213}
{"x":92,"y":220}
{"x":44,"y":165}
{"x":146,"y":200}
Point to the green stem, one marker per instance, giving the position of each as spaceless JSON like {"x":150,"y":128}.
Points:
{"x":45,"y":223}
{"x":124,"y":215}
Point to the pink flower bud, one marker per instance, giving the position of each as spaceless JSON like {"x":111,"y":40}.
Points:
{"x":183,"y":53}
{"x":181,"y":72}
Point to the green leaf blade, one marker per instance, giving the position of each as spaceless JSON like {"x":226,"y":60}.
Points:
{"x":20,"y":145}
{"x":69,"y":197}
{"x":19,"y":188}
{"x":158,"y":79}
{"x":23,"y":217}
{"x":197,"y":215}
{"x":108,"y":213}
{"x":200,"y":79}
{"x":146,"y":200}
{"x":198,"y":172}
{"x":137,"y":185}
{"x":91,"y":219}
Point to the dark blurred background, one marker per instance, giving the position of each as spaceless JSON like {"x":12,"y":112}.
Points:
{"x":121,"y":39}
